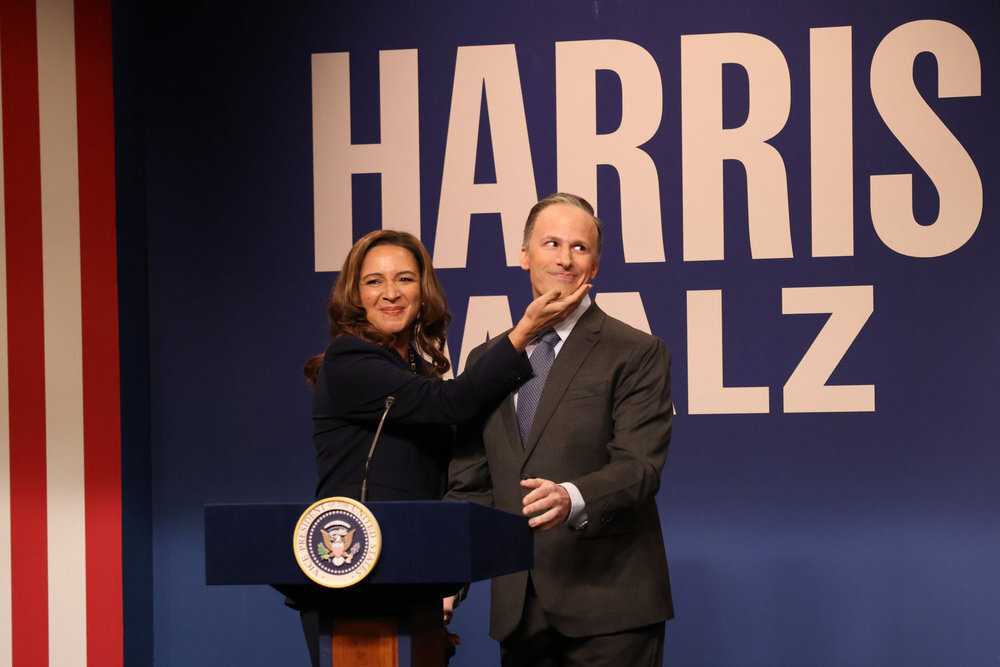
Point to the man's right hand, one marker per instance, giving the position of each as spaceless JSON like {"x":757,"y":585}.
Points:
{"x":547,"y":503}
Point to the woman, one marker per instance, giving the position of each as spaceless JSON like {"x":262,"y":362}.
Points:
{"x":387,"y":311}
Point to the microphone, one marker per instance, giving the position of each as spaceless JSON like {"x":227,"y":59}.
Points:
{"x":389,"y":400}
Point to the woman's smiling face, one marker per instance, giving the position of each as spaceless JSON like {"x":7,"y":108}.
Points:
{"x":390,"y":289}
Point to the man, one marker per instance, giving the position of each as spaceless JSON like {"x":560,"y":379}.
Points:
{"x":585,"y":470}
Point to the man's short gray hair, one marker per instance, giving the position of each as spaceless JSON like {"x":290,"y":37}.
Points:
{"x":569,"y":200}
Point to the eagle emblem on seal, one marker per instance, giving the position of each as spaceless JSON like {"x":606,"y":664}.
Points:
{"x":338,"y":543}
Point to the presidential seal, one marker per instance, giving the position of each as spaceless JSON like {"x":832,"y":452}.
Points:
{"x":337,"y":542}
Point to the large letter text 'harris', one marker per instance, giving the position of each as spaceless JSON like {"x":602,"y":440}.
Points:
{"x":489,"y":76}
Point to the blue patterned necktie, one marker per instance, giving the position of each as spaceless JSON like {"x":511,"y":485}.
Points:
{"x":531,"y":391}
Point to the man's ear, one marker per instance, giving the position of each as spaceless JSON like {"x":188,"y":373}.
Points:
{"x":524,"y":259}
{"x":593,"y":271}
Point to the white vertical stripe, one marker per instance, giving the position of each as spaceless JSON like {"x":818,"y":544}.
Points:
{"x":6,"y":638}
{"x":63,"y":333}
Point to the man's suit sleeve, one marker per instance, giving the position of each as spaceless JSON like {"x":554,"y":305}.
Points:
{"x":468,"y":470}
{"x":642,"y":414}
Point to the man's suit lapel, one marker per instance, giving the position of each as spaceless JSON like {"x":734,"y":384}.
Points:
{"x":508,"y":418}
{"x":568,"y":362}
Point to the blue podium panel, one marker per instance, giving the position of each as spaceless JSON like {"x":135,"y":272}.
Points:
{"x":423,"y":543}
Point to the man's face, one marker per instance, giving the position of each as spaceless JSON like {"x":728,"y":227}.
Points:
{"x":562,"y":251}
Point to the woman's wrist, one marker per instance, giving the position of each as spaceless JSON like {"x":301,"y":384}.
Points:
{"x":520,"y":336}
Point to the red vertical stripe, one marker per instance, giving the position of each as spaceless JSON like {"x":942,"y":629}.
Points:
{"x":101,"y":404}
{"x":26,"y":352}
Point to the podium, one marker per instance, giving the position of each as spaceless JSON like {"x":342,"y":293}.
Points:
{"x":393,"y":616}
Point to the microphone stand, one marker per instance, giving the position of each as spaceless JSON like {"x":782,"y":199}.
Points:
{"x":389,"y":400}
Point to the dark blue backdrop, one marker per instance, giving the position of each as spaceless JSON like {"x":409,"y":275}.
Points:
{"x":865,"y":538}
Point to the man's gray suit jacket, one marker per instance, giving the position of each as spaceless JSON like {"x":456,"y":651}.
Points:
{"x":603,"y":423}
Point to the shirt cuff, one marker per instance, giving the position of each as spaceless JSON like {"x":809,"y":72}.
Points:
{"x":577,"y":518}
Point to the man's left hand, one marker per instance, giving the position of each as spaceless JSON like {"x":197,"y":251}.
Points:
{"x":548,"y":501}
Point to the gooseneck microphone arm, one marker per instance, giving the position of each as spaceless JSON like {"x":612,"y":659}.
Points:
{"x":389,"y":400}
